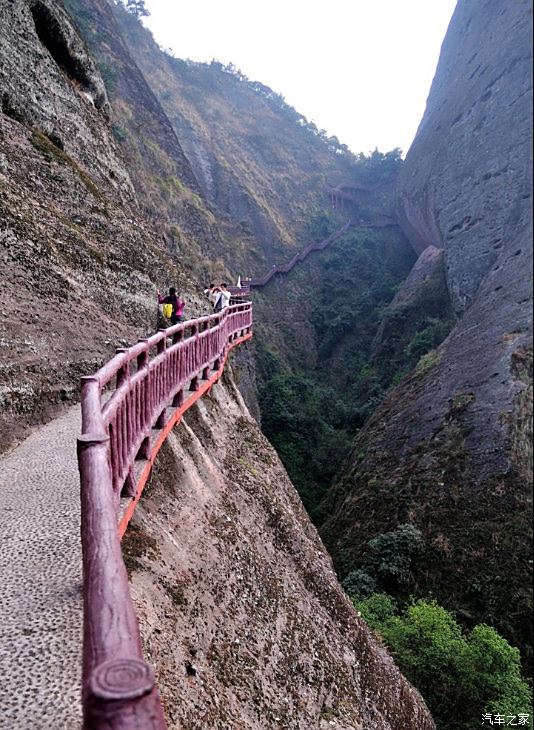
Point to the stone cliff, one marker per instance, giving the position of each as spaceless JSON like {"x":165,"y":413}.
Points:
{"x":98,"y":206}
{"x":257,"y":161}
{"x":107,"y":207}
{"x":252,"y":630}
{"x":450,"y":450}
{"x":78,"y":259}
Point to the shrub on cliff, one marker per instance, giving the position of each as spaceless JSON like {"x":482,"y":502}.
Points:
{"x":391,"y":555}
{"x":461,"y":677}
{"x":359,"y":584}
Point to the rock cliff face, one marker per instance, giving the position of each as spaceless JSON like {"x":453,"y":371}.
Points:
{"x":448,"y":451}
{"x":84,"y":239}
{"x":252,"y":629}
{"x":467,"y":182}
{"x":100,"y":205}
{"x":256,"y":160}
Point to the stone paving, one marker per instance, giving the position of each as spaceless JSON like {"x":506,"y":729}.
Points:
{"x":40,"y":581}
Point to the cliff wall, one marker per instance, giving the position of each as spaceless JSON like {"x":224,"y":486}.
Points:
{"x":100,"y":205}
{"x":257,"y":161}
{"x":88,"y":218}
{"x":449,"y":449}
{"x":467,"y":182}
{"x":241,"y":611}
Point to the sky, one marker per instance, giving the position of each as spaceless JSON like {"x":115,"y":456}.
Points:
{"x":359,"y":69}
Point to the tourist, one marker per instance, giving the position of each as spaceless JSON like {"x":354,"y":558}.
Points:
{"x":211,"y":292}
{"x":177,"y":305}
{"x":223,"y":299}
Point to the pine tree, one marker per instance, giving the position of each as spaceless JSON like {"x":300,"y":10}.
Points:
{"x":137,"y":8}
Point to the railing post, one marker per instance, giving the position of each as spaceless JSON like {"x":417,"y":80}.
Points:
{"x":142,"y":362}
{"x":124,"y":373}
{"x":90,"y":401}
{"x":142,"y":358}
{"x":123,"y":696}
{"x":162,"y":345}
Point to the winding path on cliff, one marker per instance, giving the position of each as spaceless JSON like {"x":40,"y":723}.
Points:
{"x":41,"y":601}
{"x":41,"y":605}
{"x":317,"y":246}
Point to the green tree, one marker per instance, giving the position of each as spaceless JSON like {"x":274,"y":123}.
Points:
{"x":137,"y":8}
{"x":493,"y":673}
{"x":359,"y":584}
{"x":391,"y":555}
{"x":460,"y":677}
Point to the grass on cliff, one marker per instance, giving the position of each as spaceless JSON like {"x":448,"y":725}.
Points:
{"x":53,"y":153}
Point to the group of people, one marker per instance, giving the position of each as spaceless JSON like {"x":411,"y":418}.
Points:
{"x":218,"y":296}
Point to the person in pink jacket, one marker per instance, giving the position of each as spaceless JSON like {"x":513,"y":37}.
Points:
{"x":177,"y":304}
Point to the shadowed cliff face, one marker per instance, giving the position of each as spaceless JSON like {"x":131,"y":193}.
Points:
{"x":73,"y":265}
{"x":448,"y":451}
{"x":241,"y":611}
{"x":256,"y":161}
{"x":467,"y":181}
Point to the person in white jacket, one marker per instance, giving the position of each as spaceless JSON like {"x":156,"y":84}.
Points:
{"x":223,"y":298}
{"x":212,"y":292}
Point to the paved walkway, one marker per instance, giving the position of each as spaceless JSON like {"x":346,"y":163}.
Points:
{"x":40,"y":581}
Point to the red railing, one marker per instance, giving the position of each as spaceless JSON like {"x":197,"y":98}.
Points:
{"x":145,"y":387}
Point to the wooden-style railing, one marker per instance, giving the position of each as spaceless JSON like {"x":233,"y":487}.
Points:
{"x":128,"y":408}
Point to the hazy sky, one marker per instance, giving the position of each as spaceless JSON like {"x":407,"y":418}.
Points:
{"x":360,"y":69}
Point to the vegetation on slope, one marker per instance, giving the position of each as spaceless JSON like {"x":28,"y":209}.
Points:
{"x":330,"y":345}
{"x":461,"y":674}
{"x":463,"y":677}
{"x":262,"y":166}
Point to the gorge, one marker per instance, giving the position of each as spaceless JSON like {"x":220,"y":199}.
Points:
{"x":391,"y":369}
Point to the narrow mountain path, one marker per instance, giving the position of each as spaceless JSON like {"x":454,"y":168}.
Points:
{"x":259,"y":282}
{"x":41,"y":579}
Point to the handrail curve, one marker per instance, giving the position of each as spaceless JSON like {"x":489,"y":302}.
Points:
{"x":156,"y":381}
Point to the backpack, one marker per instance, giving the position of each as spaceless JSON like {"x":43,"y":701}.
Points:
{"x":218,"y":304}
{"x":167,"y":311}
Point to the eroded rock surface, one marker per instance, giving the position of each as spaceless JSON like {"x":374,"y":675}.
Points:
{"x":79,"y":260}
{"x":467,"y":180}
{"x":240,"y":609}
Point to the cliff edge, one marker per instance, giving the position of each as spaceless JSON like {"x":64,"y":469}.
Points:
{"x":240,"y":608}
